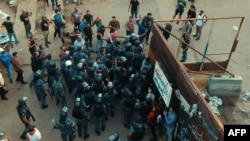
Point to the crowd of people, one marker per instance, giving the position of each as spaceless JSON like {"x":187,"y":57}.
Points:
{"x":119,"y":75}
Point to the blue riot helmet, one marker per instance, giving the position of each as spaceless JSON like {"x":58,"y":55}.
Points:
{"x":37,"y":74}
{"x":129,"y":94}
{"x":79,"y":79}
{"x":138,"y":118}
{"x":108,"y":55}
{"x":63,"y":114}
{"x":77,"y":102}
{"x":82,"y":61}
{"x":68,"y":63}
{"x":71,"y":48}
{"x":132,"y":78}
{"x":128,"y":46}
{"x":52,"y":64}
{"x":66,"y":57}
{"x":85,"y":86}
{"x":123,"y":59}
{"x":114,"y":137}
{"x":117,"y":42}
{"x":110,"y":85}
{"x":130,"y":70}
{"x":99,"y":98}
{"x":98,"y":78}
{"x":137,"y":42}
{"x":22,"y":100}
{"x":79,"y":66}
{"x":91,"y":71}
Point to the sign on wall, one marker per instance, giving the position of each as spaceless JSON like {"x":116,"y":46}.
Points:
{"x":162,"y":84}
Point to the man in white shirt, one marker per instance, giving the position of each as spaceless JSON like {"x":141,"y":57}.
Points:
{"x":200,"y":22}
{"x":79,"y":42}
{"x":33,"y":134}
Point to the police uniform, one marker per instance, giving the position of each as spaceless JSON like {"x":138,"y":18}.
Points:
{"x":127,"y":103}
{"x":109,"y":97}
{"x":65,"y":125}
{"x":24,"y":112}
{"x":137,"y":130}
{"x":99,"y":112}
{"x":58,"y":91}
{"x":40,"y":89}
{"x":81,"y":117}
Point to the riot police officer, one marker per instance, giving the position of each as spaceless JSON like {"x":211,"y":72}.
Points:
{"x":89,"y":95}
{"x":78,"y":55}
{"x":127,"y":103}
{"x":24,"y":114}
{"x":69,"y":73}
{"x":57,"y":90}
{"x":109,"y":97}
{"x":39,"y":88}
{"x":99,"y":112}
{"x":53,"y":72}
{"x":137,"y":130}
{"x":65,"y":125}
{"x":81,"y":117}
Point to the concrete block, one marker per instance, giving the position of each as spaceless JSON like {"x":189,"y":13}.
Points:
{"x":225,"y":85}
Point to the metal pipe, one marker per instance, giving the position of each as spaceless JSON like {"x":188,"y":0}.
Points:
{"x":162,"y":28}
{"x":213,"y":18}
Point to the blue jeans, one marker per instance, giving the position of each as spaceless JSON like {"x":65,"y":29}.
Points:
{"x":98,"y":44}
{"x":54,"y":4}
{"x":134,"y":14}
{"x":9,"y":71}
{"x":184,"y":55}
{"x":170,"y":133}
{"x":10,"y":38}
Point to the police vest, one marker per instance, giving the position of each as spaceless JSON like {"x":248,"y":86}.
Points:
{"x":129,"y":103}
{"x":139,"y":132}
{"x":98,"y":110}
{"x":78,"y":113}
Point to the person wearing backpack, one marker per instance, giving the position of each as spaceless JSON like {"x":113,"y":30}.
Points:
{"x":137,"y":130}
{"x":57,"y":18}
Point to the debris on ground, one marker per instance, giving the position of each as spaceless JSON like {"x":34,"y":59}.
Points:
{"x":247,"y":95}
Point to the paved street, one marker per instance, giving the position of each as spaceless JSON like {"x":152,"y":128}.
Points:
{"x":221,"y":41}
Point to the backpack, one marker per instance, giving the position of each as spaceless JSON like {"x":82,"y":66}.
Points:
{"x":98,"y":110}
{"x":57,"y":19}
